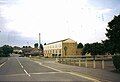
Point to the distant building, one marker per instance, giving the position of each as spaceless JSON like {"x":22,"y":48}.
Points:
{"x":62,"y":48}
{"x":17,"y":50}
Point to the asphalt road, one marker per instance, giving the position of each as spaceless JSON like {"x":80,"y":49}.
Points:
{"x":24,"y":69}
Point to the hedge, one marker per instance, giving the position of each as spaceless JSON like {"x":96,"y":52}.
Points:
{"x":116,"y":61}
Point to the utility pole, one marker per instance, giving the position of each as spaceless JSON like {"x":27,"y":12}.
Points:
{"x":39,"y":45}
{"x":39,"y":41}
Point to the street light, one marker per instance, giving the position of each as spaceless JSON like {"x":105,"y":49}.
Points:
{"x":65,"y":48}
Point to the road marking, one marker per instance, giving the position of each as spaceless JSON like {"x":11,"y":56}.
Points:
{"x":75,"y":74}
{"x":48,"y":66}
{"x":23,"y":68}
{"x":47,"y":73}
{"x":19,"y":63}
{"x":27,"y":73}
{"x":13,"y":74}
{"x":2,"y":64}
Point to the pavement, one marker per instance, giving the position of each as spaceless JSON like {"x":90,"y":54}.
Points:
{"x":97,"y":74}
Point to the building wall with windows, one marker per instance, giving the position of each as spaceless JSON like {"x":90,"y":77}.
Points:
{"x":62,"y":48}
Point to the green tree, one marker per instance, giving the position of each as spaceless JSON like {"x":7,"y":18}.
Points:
{"x":97,"y":49}
{"x":80,"y":45}
{"x":41,"y":47}
{"x":86,"y":48}
{"x":94,"y":49}
{"x":113,"y":34}
{"x":7,"y":50}
{"x":1,"y":52}
{"x":36,"y":45}
{"x":108,"y":46}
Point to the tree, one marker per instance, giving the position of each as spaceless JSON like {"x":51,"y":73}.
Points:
{"x":86,"y":48}
{"x":41,"y":47}
{"x":1,"y":52}
{"x":36,"y":45}
{"x":108,"y":47}
{"x":7,"y":50}
{"x":97,"y":49}
{"x":80,"y":45}
{"x":44,"y":43}
{"x":94,"y":49}
{"x":113,"y":34}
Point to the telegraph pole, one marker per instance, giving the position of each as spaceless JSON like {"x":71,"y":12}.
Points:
{"x":39,"y":45}
{"x":39,"y":41}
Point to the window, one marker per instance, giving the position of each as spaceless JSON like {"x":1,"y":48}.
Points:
{"x":56,"y":51}
{"x":53,"y":51}
{"x":60,"y":51}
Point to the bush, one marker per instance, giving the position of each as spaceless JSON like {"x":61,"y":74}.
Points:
{"x":116,"y":61}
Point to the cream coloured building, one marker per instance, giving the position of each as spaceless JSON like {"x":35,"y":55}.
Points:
{"x":62,"y":48}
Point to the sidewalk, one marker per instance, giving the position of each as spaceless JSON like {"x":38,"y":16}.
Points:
{"x":99,"y":74}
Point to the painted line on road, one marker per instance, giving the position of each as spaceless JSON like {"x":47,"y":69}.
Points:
{"x":79,"y":75}
{"x":27,"y":73}
{"x":13,"y":74}
{"x":2,"y":64}
{"x":19,"y":63}
{"x":23,"y":68}
{"x":46,"y":73}
{"x":75,"y":74}
{"x":48,"y":66}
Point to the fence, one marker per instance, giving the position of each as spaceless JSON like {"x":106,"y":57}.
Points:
{"x":99,"y":63}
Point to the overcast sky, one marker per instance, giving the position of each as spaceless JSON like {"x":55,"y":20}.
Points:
{"x":81,"y":20}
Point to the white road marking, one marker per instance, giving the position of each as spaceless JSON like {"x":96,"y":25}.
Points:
{"x":47,"y":73}
{"x":27,"y":73}
{"x":13,"y":74}
{"x":75,"y":74}
{"x":23,"y":68}
{"x":49,"y":67}
{"x":19,"y":63}
{"x":2,"y":64}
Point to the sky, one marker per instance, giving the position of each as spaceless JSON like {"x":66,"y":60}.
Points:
{"x":84,"y":21}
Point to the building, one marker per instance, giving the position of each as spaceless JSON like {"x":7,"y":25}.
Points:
{"x":62,"y":48}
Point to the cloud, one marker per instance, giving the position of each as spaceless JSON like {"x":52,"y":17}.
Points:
{"x":14,"y":38}
{"x":105,"y":10}
{"x":8,"y":2}
{"x":55,"y":20}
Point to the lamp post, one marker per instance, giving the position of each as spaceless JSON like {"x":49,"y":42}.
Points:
{"x":65,"y":48}
{"x":0,"y":41}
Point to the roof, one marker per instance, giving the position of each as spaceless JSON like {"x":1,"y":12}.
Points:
{"x":68,"y":40}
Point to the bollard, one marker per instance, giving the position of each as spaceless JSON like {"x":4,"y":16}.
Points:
{"x":94,"y":65}
{"x":69,"y":62}
{"x":65,"y":61}
{"x":103,"y":64}
{"x":56,"y":60}
{"x":74,"y":62}
{"x":30,"y":56}
{"x":61,"y":60}
{"x":86,"y":63}
{"x":79,"y":62}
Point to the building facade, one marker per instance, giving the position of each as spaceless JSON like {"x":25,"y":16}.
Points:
{"x":62,"y":48}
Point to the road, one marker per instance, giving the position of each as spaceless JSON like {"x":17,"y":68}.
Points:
{"x":24,"y":69}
